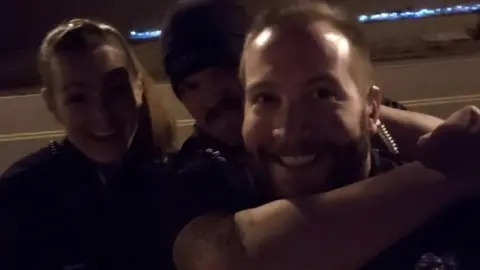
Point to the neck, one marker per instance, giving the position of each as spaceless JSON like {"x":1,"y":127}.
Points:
{"x":359,"y":170}
{"x":367,"y":167}
{"x":230,"y":143}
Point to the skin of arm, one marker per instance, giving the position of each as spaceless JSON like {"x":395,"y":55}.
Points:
{"x":341,"y":229}
{"x":407,"y":127}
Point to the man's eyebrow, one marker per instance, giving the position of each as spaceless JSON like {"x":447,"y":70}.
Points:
{"x":259,"y":86}
{"x":321,"y":78}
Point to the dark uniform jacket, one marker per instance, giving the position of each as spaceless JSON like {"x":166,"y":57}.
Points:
{"x":448,"y":241}
{"x":57,"y":212}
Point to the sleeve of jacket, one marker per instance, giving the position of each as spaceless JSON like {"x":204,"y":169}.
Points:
{"x":9,"y":241}
{"x":201,"y":186}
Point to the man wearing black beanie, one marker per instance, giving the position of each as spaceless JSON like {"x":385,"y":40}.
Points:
{"x":202,"y":44}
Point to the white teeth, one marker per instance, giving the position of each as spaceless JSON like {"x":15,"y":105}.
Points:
{"x":297,"y":160}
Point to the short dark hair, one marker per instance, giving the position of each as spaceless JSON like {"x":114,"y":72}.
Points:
{"x":302,"y":14}
{"x":78,"y":35}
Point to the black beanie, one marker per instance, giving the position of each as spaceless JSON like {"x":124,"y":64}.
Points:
{"x":199,"y":34}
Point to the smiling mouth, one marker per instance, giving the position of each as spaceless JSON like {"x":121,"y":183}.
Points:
{"x":297,"y":161}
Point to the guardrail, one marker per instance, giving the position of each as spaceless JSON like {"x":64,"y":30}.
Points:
{"x":424,"y":50}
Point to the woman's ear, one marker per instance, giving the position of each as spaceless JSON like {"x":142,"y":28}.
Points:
{"x":374,"y":99}
{"x":48,"y":99}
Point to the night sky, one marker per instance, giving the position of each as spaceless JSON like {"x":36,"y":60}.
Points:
{"x":24,"y":22}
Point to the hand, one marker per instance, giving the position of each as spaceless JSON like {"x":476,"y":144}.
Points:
{"x":453,"y":148}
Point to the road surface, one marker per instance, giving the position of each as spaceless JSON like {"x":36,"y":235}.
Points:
{"x":437,"y":87}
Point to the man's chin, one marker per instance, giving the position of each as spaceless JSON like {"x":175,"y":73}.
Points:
{"x":308,"y":180}
{"x":229,"y":131}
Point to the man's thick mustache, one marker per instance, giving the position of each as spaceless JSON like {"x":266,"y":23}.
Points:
{"x":312,"y":147}
{"x":224,"y":104}
{"x":301,"y":149}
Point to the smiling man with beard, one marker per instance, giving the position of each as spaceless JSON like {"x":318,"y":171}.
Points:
{"x":202,"y":44}
{"x":309,"y":115}
{"x":310,"y":110}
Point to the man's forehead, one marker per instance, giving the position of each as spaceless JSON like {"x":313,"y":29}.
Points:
{"x":287,"y":48}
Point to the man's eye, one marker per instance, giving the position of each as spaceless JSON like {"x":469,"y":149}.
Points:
{"x":190,"y":86}
{"x":322,"y":92}
{"x":76,"y":98}
{"x":264,"y":99}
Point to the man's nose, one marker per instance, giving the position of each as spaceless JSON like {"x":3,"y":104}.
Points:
{"x":216,"y":95}
{"x":290,"y":124}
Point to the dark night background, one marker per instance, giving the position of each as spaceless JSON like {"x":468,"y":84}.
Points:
{"x":23,"y":23}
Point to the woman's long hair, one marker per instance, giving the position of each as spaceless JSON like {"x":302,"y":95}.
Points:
{"x":157,"y":131}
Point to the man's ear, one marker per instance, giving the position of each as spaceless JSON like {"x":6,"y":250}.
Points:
{"x":139,"y":89}
{"x":374,"y":99}
{"x":48,"y":99}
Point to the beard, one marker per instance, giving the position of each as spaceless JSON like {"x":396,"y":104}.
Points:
{"x":349,"y":164}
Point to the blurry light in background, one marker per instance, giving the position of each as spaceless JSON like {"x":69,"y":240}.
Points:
{"x":145,"y":35}
{"x":420,"y":13}
{"x":384,"y":16}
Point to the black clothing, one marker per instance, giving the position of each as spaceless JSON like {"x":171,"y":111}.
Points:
{"x":449,"y":238}
{"x":216,"y":183}
{"x":209,"y":189}
{"x":200,"y":34}
{"x":200,"y":143}
{"x":58,"y":212}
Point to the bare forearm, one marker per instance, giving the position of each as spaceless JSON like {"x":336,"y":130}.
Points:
{"x":341,"y":229}
{"x":407,"y":127}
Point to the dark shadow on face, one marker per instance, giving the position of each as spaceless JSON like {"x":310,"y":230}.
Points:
{"x":224,"y":105}
{"x":214,"y":98}
{"x":306,"y":120}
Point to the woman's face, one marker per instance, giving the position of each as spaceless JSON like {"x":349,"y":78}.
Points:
{"x":96,"y":96}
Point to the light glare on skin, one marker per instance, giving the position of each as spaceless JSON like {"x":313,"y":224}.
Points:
{"x":263,"y":37}
{"x":340,"y":43}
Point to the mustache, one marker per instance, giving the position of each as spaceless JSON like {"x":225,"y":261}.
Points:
{"x":226,"y":103}
{"x":302,"y":148}
{"x":320,"y":148}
